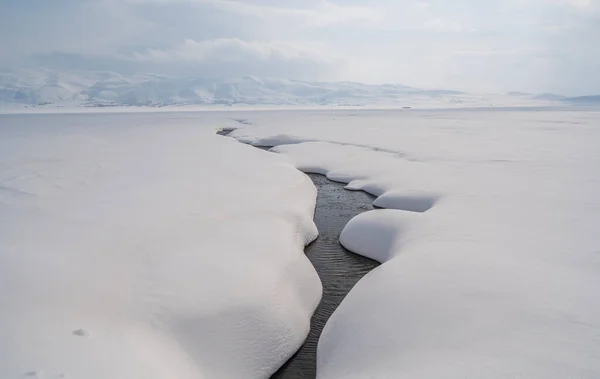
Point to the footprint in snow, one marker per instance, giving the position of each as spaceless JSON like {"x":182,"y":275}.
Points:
{"x":82,"y":333}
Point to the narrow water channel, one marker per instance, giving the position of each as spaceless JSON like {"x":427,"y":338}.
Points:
{"x":338,"y":268}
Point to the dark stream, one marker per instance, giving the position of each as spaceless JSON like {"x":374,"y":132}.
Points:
{"x":338,"y":268}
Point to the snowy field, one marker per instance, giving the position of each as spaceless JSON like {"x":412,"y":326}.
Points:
{"x":146,"y":246}
{"x":142,"y":245}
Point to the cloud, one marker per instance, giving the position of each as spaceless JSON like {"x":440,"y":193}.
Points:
{"x":225,"y":57}
{"x":439,"y":24}
{"x":227,"y":50}
{"x":585,"y":5}
{"x":322,"y":13}
{"x":422,"y":43}
{"x":219,"y":58}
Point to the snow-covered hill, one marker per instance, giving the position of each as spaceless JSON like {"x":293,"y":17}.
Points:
{"x":45,"y":88}
{"x":35,"y":88}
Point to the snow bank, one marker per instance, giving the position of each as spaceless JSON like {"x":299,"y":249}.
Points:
{"x":407,"y":201}
{"x":497,"y":279}
{"x":380,"y":234}
{"x":144,"y":247}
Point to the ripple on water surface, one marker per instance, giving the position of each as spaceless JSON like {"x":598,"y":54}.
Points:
{"x":338,"y":268}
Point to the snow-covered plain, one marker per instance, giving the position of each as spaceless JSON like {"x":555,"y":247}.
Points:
{"x":146,"y":246}
{"x":140,"y":245}
{"x":491,"y":249}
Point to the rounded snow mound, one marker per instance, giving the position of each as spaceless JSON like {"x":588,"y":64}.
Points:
{"x":407,"y":201}
{"x":379,"y":234}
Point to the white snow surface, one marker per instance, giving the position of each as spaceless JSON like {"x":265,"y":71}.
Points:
{"x":146,"y":246}
{"x":499,"y":278}
{"x":379,"y":234}
{"x":141,"y":245}
{"x":413,"y":201}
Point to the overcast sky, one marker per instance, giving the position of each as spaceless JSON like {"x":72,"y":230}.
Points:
{"x":473,"y":45}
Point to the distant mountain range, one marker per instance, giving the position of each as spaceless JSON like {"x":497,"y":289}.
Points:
{"x":45,"y":88}
{"x":587,"y":100}
{"x":582,"y":100}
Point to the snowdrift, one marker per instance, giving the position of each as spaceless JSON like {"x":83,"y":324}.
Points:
{"x":139,"y":250}
{"x":490,"y":251}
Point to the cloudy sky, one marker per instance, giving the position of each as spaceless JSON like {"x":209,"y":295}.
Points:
{"x":473,"y":45}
